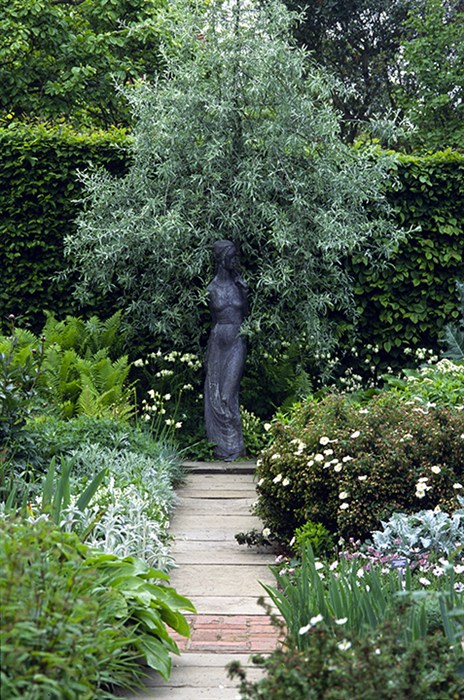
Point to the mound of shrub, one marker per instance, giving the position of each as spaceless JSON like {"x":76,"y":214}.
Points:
{"x":60,"y":637}
{"x":76,"y":622}
{"x":373,"y":667}
{"x":349,"y":466}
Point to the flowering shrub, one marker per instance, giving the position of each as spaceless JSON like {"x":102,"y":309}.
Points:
{"x":434,"y":384}
{"x":373,"y":666}
{"x":171,"y":399}
{"x":349,"y":466}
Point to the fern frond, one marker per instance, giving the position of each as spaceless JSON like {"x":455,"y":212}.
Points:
{"x":110,"y":337}
{"x":87,"y":403}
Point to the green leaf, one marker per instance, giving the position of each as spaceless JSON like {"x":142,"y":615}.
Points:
{"x":155,"y":654}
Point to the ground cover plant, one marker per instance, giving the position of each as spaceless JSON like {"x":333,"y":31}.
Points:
{"x":129,"y":510}
{"x":78,"y":471}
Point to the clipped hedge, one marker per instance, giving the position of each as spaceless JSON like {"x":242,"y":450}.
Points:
{"x":404,"y":304}
{"x":39,"y":187}
{"x":409,"y":301}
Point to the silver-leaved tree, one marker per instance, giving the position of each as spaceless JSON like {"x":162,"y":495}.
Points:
{"x":238,"y":141}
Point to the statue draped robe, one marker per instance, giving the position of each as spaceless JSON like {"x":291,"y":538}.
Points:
{"x":225,"y":360}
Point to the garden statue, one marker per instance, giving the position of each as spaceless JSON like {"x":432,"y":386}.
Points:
{"x":225,"y":356}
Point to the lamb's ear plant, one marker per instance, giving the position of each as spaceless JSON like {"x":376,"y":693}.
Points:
{"x":429,"y":531}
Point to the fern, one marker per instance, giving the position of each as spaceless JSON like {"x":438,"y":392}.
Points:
{"x":68,"y":334}
{"x":90,"y":384}
{"x":104,"y":334}
{"x":85,"y":337}
{"x":114,"y":403}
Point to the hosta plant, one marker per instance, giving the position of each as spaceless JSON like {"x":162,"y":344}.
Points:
{"x":61,"y":634}
{"x":146,"y":604}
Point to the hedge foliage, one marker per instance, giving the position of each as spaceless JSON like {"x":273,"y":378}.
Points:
{"x":405,"y":303}
{"x":39,"y":186}
{"x":410,"y":300}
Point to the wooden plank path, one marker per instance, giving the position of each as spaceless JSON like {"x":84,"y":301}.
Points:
{"x":221,"y":578}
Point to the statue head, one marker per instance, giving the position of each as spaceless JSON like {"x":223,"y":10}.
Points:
{"x":225,"y":254}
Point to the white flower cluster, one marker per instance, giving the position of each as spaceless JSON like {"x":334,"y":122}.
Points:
{"x":422,"y":487}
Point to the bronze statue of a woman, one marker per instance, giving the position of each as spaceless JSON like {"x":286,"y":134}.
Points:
{"x":226,"y":353}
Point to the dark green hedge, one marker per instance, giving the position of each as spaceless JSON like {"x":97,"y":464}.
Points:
{"x":38,"y":189}
{"x":405,"y":304}
{"x":408,"y":301}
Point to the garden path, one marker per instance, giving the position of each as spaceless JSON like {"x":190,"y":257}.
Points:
{"x":222,"y":580}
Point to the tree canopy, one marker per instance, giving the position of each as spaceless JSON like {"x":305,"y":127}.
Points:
{"x":63,"y":58}
{"x":431,"y":81}
{"x":403,"y":57}
{"x":358,"y":42}
{"x":240,"y":143}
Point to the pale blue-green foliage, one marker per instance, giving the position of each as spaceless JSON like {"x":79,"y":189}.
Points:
{"x":454,"y":333}
{"x":129,"y":514}
{"x":241,"y":142}
{"x":426,"y":530}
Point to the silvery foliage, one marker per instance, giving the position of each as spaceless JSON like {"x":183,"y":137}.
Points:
{"x":425,"y":531}
{"x":238,"y":141}
{"x":454,"y":333}
{"x":129,"y":516}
